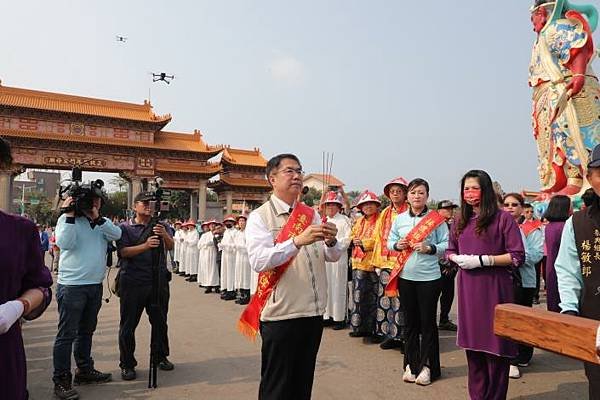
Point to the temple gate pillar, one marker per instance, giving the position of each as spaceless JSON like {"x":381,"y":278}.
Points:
{"x":194,"y":205}
{"x":135,"y":187}
{"x":228,"y":202}
{"x":202,"y":199}
{"x":6,"y":179}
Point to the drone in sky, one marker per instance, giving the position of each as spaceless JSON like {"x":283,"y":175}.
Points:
{"x":162,"y":77}
{"x":121,"y":38}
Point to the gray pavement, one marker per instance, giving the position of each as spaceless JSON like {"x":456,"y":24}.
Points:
{"x":213,"y":361}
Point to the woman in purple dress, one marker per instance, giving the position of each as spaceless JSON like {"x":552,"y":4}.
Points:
{"x":486,"y":244}
{"x":24,"y":292}
{"x":557,"y":213}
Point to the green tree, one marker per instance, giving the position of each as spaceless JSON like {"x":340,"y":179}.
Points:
{"x":39,"y":208}
{"x":180,"y":204}
{"x":313,"y":197}
{"x":116,"y":205}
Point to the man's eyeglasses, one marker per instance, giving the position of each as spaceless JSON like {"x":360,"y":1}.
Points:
{"x":512,"y":204}
{"x":292,"y":171}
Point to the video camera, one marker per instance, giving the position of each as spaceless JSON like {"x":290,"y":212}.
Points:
{"x":157,"y":203}
{"x":83,"y":194}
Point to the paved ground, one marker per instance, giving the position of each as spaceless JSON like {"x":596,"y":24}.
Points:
{"x":214,"y":362}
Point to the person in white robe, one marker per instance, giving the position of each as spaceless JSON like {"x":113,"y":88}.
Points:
{"x":201,"y":263}
{"x":242,"y":264}
{"x":191,"y":241}
{"x":337,"y":272}
{"x":209,"y":259}
{"x":176,"y":246}
{"x":227,"y":246}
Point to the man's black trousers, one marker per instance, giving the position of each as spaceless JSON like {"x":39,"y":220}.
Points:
{"x":289,"y":353}
{"x":134,"y":299}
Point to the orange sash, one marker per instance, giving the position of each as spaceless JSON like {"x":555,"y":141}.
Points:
{"x":416,"y":235}
{"x":385,"y":230}
{"x":530,"y":226}
{"x":365,"y":230}
{"x":298,"y":221}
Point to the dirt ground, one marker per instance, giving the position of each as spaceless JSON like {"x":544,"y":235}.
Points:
{"x":213,"y":361}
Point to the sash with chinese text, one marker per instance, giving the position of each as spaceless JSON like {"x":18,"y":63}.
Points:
{"x":417,"y":234}
{"x":587,"y":241}
{"x":298,"y":221}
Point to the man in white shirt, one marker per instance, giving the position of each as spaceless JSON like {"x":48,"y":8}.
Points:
{"x":291,"y":318}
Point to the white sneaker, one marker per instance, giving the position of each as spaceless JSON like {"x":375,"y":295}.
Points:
{"x":424,"y":377}
{"x":408,"y":375}
{"x":514,"y":372}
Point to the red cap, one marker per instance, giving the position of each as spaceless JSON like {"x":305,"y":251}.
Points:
{"x":397,"y":181}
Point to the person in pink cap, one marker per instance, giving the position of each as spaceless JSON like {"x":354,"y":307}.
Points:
{"x":389,"y":321}
{"x":243,"y":271}
{"x":337,"y":271}
{"x":364,"y":278}
{"x":191,"y":242}
{"x":227,"y":248}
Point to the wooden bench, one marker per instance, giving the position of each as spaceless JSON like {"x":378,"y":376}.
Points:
{"x":559,"y":333}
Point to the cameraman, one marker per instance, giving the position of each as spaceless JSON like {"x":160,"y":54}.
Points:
{"x":83,"y":240}
{"x":136,"y":283}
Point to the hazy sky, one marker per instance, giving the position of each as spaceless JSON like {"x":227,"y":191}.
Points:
{"x":428,"y":88}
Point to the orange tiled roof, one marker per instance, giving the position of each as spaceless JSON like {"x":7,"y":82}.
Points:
{"x":332,"y":180}
{"x":35,"y":99}
{"x":184,"y":142}
{"x":223,"y":178}
{"x":251,"y":158}
{"x":170,"y":141}
{"x":210,"y":168}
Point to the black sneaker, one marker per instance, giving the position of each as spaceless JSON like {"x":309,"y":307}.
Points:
{"x":448,"y":326}
{"x":358,"y":334}
{"x":376,"y":339}
{"x":388,"y":344}
{"x":91,"y":376}
{"x":338,"y":325}
{"x":128,"y":374}
{"x":166,"y":365}
{"x":63,"y":388}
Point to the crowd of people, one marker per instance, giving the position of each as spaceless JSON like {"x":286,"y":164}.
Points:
{"x":297,"y":269}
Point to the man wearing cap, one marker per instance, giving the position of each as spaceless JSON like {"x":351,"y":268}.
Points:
{"x":289,"y":245}
{"x":204,"y":227}
{"x":208,"y":257}
{"x":242,"y":264}
{"x":337,"y":271}
{"x":83,"y":241}
{"x":578,"y":266}
{"x":135,"y":249}
{"x":364,"y":278}
{"x":446,"y":209}
{"x":183,"y":268}
{"x":191,"y":243}
{"x":177,"y":246}
{"x":389,"y":324}
{"x":227,"y":247}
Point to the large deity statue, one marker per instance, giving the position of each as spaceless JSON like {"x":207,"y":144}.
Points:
{"x":566,"y":104}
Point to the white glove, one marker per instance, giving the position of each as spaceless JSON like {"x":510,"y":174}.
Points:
{"x":10,"y":312}
{"x":470,"y":261}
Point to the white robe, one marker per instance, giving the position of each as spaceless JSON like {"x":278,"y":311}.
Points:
{"x":227,"y":245}
{"x":191,"y":258}
{"x":242,"y":265}
{"x":176,"y":246}
{"x":209,"y":261}
{"x":183,"y":251}
{"x":337,"y":272}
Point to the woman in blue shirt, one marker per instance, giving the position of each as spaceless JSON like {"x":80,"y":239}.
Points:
{"x":419,"y":286}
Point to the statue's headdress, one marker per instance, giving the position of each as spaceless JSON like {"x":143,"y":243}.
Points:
{"x":560,"y":7}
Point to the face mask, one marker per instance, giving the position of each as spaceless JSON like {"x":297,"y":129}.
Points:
{"x":472,"y":196}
